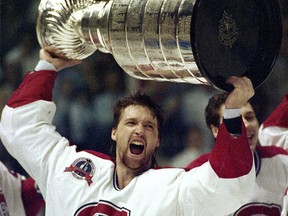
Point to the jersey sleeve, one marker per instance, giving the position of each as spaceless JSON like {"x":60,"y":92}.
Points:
{"x":274,"y":130}
{"x":198,"y":161}
{"x":225,"y":175}
{"x":230,"y":157}
{"x":26,"y":126}
{"x":27,"y":133}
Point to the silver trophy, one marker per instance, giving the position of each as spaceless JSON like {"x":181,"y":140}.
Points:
{"x":165,"y":40}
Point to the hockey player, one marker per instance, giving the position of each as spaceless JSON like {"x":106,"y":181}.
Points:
{"x":128,"y":182}
{"x":271,"y":162}
{"x":19,"y":196}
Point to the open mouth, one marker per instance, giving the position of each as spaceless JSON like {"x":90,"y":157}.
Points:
{"x":136,"y":148}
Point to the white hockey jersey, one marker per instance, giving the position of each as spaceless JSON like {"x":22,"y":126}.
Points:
{"x":84,"y":183}
{"x":274,"y":130}
{"x":18,"y":195}
{"x":10,"y":193}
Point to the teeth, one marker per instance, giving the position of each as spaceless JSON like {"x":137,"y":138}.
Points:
{"x":137,"y":143}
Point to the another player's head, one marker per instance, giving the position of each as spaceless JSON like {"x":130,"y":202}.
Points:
{"x":137,"y":131}
{"x":214,"y":112}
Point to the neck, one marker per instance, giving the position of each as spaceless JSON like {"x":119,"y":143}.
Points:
{"x":123,"y":177}
{"x":124,"y":174}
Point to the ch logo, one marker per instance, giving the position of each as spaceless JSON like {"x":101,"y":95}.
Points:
{"x":102,"y":208}
{"x":263,"y":209}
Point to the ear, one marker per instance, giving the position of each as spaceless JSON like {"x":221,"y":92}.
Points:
{"x":158,"y":143}
{"x":113,"y":134}
{"x":214,"y":130}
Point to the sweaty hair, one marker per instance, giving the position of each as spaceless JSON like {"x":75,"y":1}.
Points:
{"x":137,"y":99}
{"x":142,"y":100}
{"x":212,"y":110}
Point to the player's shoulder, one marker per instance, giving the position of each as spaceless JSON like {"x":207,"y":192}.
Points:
{"x":198,"y":161}
{"x":99,"y":154}
{"x":270,"y":151}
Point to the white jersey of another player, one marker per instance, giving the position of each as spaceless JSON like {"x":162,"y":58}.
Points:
{"x":18,"y":195}
{"x":274,"y":130}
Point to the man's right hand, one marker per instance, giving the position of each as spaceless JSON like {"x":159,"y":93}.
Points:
{"x":57,"y":62}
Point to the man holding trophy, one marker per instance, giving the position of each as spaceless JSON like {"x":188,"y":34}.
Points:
{"x":86,"y":183}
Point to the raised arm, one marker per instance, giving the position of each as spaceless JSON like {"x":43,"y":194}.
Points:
{"x":226,"y":174}
{"x":231,"y":156}
{"x":26,"y":125}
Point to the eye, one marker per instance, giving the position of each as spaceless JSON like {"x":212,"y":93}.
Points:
{"x":149,"y":126}
{"x":130,"y":123}
{"x":250,"y":117}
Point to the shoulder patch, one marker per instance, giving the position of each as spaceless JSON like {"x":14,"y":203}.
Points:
{"x":82,"y":169}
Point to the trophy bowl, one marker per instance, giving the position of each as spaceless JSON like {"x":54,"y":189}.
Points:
{"x":188,"y":41}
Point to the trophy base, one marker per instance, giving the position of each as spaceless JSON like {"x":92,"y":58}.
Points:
{"x":240,"y":38}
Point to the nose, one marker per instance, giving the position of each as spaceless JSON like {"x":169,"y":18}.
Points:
{"x":139,"y":129}
{"x":246,"y":123}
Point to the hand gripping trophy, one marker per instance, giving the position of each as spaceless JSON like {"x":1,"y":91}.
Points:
{"x":192,"y":41}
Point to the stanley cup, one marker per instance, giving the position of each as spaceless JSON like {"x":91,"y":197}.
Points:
{"x":189,"y":41}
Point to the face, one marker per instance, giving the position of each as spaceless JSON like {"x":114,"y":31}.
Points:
{"x":136,"y":138}
{"x":251,"y":124}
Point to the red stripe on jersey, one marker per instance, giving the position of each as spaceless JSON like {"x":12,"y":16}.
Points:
{"x":32,"y":200}
{"x":230,"y":157}
{"x":100,"y":155}
{"x":35,"y":86}
{"x":279,"y":116}
{"x":270,"y":151}
{"x":198,"y":161}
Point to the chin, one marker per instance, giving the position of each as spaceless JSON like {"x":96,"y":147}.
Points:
{"x":253,"y":146}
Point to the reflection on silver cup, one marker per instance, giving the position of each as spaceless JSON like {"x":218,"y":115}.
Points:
{"x":149,"y":39}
